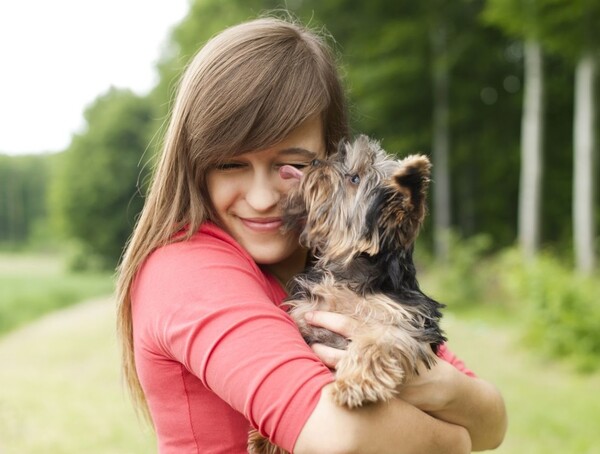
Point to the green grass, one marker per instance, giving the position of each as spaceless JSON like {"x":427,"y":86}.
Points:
{"x":551,"y":407}
{"x":60,"y":387}
{"x":33,"y":285}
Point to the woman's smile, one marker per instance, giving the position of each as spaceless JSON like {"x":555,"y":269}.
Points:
{"x":262,"y":225}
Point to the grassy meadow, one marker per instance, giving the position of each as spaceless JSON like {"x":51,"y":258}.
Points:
{"x":33,"y":285}
{"x":60,"y":388}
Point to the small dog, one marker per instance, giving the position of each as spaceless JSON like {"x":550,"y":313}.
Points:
{"x":359,"y":212}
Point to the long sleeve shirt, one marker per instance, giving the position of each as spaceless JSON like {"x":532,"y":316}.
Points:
{"x":215,"y":352}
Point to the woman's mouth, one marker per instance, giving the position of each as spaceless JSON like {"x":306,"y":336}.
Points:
{"x":262,"y":225}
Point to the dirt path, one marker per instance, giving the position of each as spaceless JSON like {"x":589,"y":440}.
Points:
{"x":60,"y":388}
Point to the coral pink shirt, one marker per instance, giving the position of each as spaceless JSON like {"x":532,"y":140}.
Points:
{"x":216,"y":354}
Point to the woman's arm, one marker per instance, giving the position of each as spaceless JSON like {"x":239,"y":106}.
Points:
{"x":447,"y":394}
{"x":442,"y":392}
{"x":392,"y":427}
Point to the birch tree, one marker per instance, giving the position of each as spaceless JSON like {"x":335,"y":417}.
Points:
{"x":521,"y":19}
{"x":532,"y":128}
{"x":583,"y":164}
{"x":573,"y":30}
{"x":586,"y":27}
{"x":441,"y":138}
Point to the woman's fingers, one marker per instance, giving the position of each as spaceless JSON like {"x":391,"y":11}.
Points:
{"x":337,"y":323}
{"x":328,"y":355}
{"x":340,"y":324}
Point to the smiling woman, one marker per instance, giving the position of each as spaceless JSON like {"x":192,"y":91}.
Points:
{"x":204,"y":274}
{"x":208,"y":347}
{"x":245,"y":193}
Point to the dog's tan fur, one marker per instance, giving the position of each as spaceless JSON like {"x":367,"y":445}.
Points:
{"x":360,"y":212}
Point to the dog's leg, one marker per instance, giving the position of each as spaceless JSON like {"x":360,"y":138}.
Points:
{"x":371,"y":370}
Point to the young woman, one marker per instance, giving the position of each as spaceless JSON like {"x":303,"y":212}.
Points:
{"x":207,"y":351}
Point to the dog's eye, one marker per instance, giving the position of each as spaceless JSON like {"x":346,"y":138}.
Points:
{"x":315,"y":162}
{"x":354,"y":179}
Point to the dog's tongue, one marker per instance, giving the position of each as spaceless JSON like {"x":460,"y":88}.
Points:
{"x":287,"y":172}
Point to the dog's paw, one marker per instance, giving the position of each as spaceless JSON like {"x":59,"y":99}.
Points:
{"x":368,"y":373}
{"x":355,"y":392}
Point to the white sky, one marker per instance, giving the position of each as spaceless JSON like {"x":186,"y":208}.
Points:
{"x":57,"y":56}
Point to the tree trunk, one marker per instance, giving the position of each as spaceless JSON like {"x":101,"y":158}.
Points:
{"x":583,"y":184}
{"x":441,"y":143}
{"x":532,"y":126}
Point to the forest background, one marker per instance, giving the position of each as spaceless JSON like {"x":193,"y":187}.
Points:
{"x":502,"y":94}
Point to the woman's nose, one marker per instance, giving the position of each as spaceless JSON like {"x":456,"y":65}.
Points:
{"x":263,"y":194}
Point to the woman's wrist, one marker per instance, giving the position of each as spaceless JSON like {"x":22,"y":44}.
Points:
{"x":475,"y":405}
{"x":432,"y":390}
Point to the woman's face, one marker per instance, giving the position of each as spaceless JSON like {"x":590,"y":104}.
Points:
{"x":245,"y":192}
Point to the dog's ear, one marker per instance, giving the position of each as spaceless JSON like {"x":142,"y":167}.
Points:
{"x":412,"y":178}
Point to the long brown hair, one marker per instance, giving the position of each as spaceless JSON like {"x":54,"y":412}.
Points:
{"x":245,"y":90}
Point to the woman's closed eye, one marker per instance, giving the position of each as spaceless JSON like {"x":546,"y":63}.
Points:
{"x":297,"y":165}
{"x":229,"y":166}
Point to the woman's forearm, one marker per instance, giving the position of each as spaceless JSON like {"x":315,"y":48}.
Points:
{"x":448,"y":394}
{"x":392,"y":427}
{"x":478,"y":406}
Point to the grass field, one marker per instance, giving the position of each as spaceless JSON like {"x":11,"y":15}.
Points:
{"x":552,"y":409}
{"x":60,"y":391}
{"x":33,"y":285}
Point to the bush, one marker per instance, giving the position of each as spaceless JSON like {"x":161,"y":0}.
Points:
{"x":462,"y":281}
{"x":561,"y":314}
{"x":556,"y":309}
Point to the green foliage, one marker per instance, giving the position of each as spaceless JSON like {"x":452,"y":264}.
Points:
{"x":565,"y":27}
{"x":387,"y":60}
{"x":560,"y":308}
{"x":516,"y":17}
{"x":23,"y":186}
{"x":34,"y":285}
{"x":554,"y":308}
{"x":462,"y":281}
{"x":95,"y":195}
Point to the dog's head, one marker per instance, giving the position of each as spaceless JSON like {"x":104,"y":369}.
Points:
{"x":358,"y":201}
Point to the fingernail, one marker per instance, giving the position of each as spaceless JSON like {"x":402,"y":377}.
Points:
{"x":309,"y":316}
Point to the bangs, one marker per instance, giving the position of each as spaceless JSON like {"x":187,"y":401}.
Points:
{"x":251,"y":86}
{"x":293,"y":92}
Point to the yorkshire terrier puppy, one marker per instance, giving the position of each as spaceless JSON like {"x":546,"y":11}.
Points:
{"x":359,"y":212}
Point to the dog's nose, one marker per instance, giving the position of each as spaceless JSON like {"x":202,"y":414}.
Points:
{"x":315,"y":162}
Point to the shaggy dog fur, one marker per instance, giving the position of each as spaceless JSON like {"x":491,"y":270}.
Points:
{"x":359,"y":212}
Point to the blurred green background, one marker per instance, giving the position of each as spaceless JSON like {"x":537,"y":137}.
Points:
{"x":500,"y":93}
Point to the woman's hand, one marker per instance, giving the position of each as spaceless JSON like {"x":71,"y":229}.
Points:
{"x":449,"y":395}
{"x":441,"y":391}
{"x":337,"y":323}
{"x":431,"y":390}
{"x":378,"y":428}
